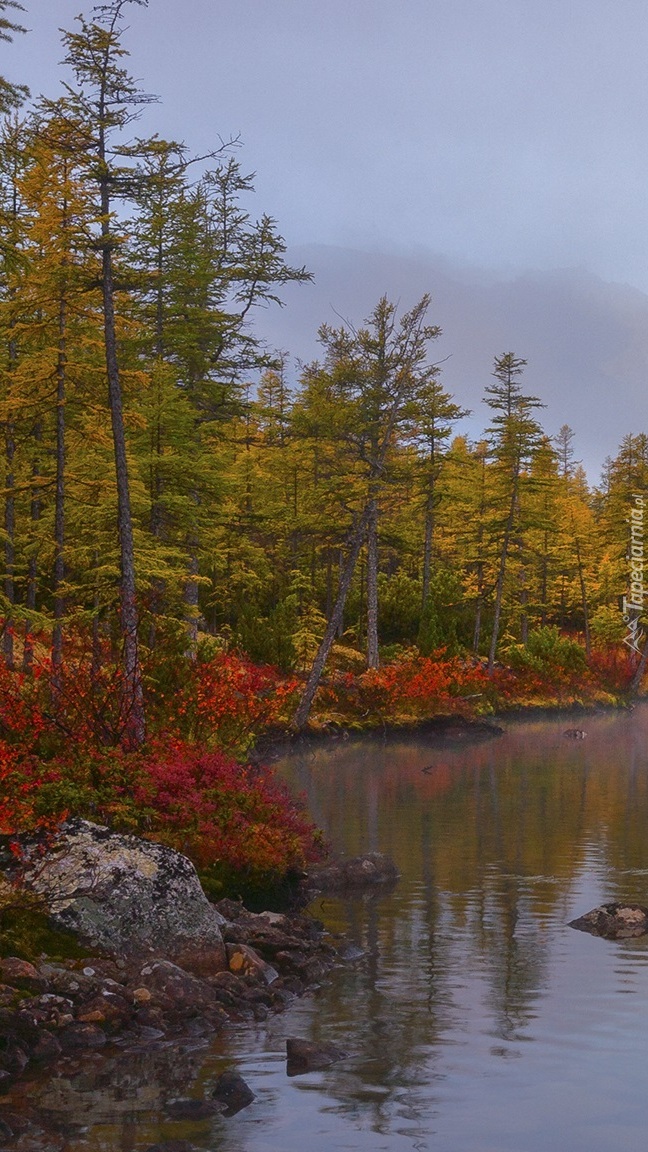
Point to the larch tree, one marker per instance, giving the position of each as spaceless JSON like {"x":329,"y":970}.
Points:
{"x":13,"y":160}
{"x":514,"y":436}
{"x":206,"y":265}
{"x":55,"y":315}
{"x":104,"y":102}
{"x":377,"y":372}
{"x":435,"y":415}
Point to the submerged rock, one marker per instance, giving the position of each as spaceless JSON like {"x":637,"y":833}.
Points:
{"x":188,"y":1108}
{"x":122,"y":894}
{"x":373,"y":870}
{"x":172,"y":1146}
{"x":305,"y":1056}
{"x":614,"y":921}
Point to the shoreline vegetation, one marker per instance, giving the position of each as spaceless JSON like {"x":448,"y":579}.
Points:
{"x":202,"y":782}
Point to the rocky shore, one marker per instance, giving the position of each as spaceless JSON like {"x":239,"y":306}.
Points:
{"x":161,"y":961}
{"x":51,"y":1009}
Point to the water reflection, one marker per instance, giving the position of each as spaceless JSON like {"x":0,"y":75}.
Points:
{"x":476,"y":1019}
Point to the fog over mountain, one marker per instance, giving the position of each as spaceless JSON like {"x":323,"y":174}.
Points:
{"x":585,"y":340}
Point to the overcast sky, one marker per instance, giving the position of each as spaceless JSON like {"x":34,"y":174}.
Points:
{"x":501,"y":145}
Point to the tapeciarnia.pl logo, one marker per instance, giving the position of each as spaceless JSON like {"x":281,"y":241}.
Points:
{"x":633,"y":603}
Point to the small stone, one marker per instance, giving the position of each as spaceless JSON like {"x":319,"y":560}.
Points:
{"x":142,"y":996}
{"x":245,"y":961}
{"x":21,"y":974}
{"x":233,"y":1092}
{"x":94,"y":1017}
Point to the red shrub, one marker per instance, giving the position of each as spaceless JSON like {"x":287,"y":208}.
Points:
{"x":613,"y":666}
{"x":224,"y":702}
{"x":221,"y":812}
{"x":412,"y":687}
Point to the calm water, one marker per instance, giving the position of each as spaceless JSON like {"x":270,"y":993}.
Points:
{"x":476,"y":1019}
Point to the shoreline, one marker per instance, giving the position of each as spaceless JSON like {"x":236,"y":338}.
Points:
{"x":445,"y":726}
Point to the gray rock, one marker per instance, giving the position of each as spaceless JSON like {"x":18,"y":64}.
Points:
{"x":122,"y":894}
{"x":614,"y":921}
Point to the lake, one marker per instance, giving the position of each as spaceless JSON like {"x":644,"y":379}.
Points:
{"x":475,"y":1018}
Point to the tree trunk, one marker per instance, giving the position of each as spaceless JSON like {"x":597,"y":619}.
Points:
{"x":10,"y":548}
{"x":544,"y":581}
{"x":524,"y":599}
{"x":96,"y":625}
{"x":191,"y":601}
{"x":581,"y":578}
{"x":340,"y":631}
{"x":32,"y":566}
{"x":132,"y":697}
{"x":427,"y":546}
{"x":478,"y":618}
{"x":329,"y":582}
{"x":59,"y":507}
{"x":346,"y":576}
{"x":499,"y":590}
{"x":373,"y":659}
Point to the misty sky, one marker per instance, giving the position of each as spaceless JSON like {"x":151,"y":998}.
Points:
{"x":498,"y":147}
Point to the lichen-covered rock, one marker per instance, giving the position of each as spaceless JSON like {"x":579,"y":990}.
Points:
{"x":122,"y":894}
{"x":614,"y":921}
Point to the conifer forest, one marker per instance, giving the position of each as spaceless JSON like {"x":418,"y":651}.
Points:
{"x":202,"y":542}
